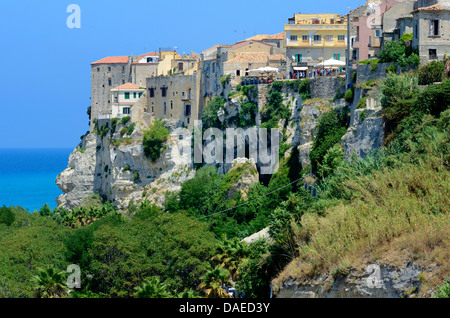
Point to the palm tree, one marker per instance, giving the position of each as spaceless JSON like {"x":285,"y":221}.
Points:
{"x":213,"y":283}
{"x":50,"y":283}
{"x":231,"y":254}
{"x":152,"y":288}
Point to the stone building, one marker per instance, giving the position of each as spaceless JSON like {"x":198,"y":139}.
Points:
{"x":145,"y":66}
{"x":106,"y":74}
{"x":175,"y":98}
{"x":431,"y":25}
{"x":212,"y":69}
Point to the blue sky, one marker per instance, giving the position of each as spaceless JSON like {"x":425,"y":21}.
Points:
{"x":45,"y":81}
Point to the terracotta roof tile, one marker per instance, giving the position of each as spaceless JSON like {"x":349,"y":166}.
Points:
{"x":261,"y":37}
{"x":128,"y":86}
{"x":113,"y":60}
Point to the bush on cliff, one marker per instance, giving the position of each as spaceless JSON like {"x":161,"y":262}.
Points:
{"x":154,"y":140}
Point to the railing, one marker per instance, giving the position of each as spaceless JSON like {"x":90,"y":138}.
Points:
{"x":102,"y":117}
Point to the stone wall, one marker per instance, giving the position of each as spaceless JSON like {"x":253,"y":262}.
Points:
{"x":326,"y":87}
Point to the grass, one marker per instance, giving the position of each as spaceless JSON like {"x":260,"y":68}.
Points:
{"x":395,"y":215}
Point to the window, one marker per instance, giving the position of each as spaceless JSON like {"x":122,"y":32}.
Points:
{"x":337,"y":56}
{"x":164,"y":91}
{"x":188,"y":110}
{"x":182,"y":94}
{"x":127,"y":95}
{"x":180,"y":66}
{"x":109,"y":81}
{"x":341,"y":37}
{"x":152,"y":92}
{"x":140,"y":95}
{"x":298,"y":58}
{"x":171,"y":105}
{"x":329,"y":38}
{"x":126,"y":110}
{"x":293,"y":38}
{"x":238,"y":72}
{"x":134,"y":95}
{"x":315,"y":21}
{"x":434,"y":27}
{"x":109,"y":68}
{"x":433,"y":54}
{"x":317,"y":38}
{"x":165,"y":109}
{"x":305,"y":37}
{"x":378,"y":33}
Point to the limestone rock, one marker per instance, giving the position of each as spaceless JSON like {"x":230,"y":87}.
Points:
{"x":366,"y":135}
{"x":246,"y":173}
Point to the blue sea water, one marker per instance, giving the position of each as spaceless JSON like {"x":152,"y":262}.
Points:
{"x":27,"y":176}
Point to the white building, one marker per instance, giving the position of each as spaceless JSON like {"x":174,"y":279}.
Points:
{"x":124,"y":97}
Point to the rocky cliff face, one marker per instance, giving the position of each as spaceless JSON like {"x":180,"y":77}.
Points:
{"x":375,"y":281}
{"x":117,"y":169}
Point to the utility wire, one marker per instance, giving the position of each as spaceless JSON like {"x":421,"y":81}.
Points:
{"x":248,"y":202}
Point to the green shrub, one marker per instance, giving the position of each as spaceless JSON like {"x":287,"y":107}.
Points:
{"x":126,"y":168}
{"x":125,"y":120}
{"x":304,"y":89}
{"x":136,"y":177}
{"x":373,"y":67}
{"x":113,"y":123}
{"x":154,"y":139}
{"x":130,"y":128}
{"x":444,"y":290}
{"x":7,"y":216}
{"x":431,"y":73}
{"x":209,"y":118}
{"x":349,"y":95}
{"x":332,"y":126}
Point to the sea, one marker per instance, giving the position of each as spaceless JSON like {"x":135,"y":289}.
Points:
{"x":28,"y":176}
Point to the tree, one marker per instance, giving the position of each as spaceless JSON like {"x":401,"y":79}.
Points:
{"x":50,"y":283}
{"x":7,"y":216}
{"x":215,"y":282}
{"x":152,"y":288}
{"x":230,"y":255}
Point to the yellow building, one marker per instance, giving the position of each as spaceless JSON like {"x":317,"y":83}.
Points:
{"x":313,"y":38}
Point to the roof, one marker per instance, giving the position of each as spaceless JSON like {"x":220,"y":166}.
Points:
{"x":145,"y":55}
{"x":441,"y":5}
{"x":113,"y":60}
{"x":255,"y":57}
{"x":244,"y":43}
{"x":128,"y":86}
{"x":261,"y":37}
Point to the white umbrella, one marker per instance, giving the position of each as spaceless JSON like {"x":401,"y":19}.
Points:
{"x":266,"y":69}
{"x":331,"y":63}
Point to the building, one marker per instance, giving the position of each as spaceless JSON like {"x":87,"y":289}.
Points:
{"x":313,"y":38}
{"x":370,"y":23}
{"x":212,"y":69}
{"x":106,"y":74}
{"x":247,"y":55}
{"x":175,"y":98}
{"x":397,"y":21}
{"x":276,"y":40}
{"x":431,"y":23}
{"x":145,"y":66}
{"x":123,"y":98}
